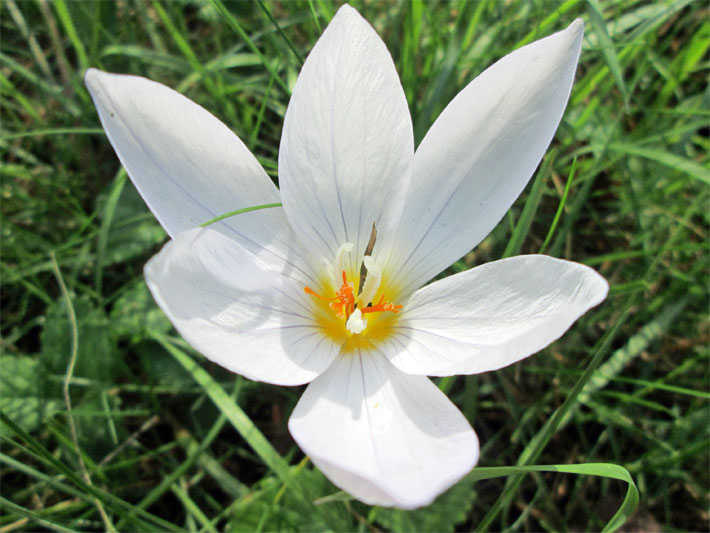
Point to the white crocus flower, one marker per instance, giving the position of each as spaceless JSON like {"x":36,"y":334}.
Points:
{"x":277,"y":296}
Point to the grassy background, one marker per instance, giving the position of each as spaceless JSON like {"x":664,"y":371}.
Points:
{"x":168,"y":441}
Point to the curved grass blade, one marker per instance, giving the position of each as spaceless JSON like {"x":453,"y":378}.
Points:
{"x":612,"y":471}
{"x":239,"y":212}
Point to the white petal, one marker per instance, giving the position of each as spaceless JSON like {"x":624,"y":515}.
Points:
{"x":480,"y":153}
{"x":493,"y":315}
{"x":347,"y":139}
{"x":188,"y":166}
{"x":242,"y":309}
{"x":386,"y":438}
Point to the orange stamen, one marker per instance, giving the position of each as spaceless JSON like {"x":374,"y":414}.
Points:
{"x":310,"y":291}
{"x":381,"y":308}
{"x":345,"y":297}
{"x":343,"y":304}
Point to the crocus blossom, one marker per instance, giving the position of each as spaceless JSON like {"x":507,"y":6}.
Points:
{"x":330,"y":289}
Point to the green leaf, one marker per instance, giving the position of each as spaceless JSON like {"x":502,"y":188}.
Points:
{"x":96,"y":352}
{"x":23,"y":392}
{"x":270,"y":508}
{"x":135,"y":313}
{"x":447,"y":511}
{"x":128,"y":227}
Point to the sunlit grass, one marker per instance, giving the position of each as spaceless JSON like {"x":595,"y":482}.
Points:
{"x":170,"y":441}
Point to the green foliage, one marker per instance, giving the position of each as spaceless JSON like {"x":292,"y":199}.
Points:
{"x":23,"y":392}
{"x":134,"y":314}
{"x":96,"y":357}
{"x":167,"y":441}
{"x":450,"y":509}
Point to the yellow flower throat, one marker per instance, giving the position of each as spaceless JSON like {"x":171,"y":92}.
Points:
{"x":343,"y":305}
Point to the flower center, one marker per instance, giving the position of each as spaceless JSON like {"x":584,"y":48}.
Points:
{"x":345,"y":304}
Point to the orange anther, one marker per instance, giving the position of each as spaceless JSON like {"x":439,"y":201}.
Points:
{"x":381,"y":308}
{"x":343,"y":304}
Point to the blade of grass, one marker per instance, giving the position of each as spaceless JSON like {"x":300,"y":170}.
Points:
{"x":260,"y":116}
{"x":65,"y":18}
{"x":53,"y":91}
{"x":676,"y":162}
{"x":65,"y":386}
{"x":246,"y":428}
{"x":50,"y":481}
{"x":632,"y":349}
{"x":236,"y":416}
{"x":33,"y":45}
{"x":10,"y":92}
{"x":533,"y":450}
{"x":288,"y":42}
{"x":686,"y":61}
{"x":234,"y":24}
{"x":558,"y":213}
{"x":172,"y":478}
{"x":522,"y":228}
{"x":239,"y":212}
{"x":314,"y":14}
{"x":106,"y":220}
{"x":87,"y":492}
{"x":57,"y":42}
{"x":52,"y":131}
{"x":184,"y":45}
{"x":191,"y":507}
{"x":606,"y":470}
{"x":32,"y":516}
{"x":607,"y":46}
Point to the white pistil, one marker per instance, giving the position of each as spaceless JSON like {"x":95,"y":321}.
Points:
{"x":356,"y":324}
{"x":372,"y":282}
{"x":339,"y":266}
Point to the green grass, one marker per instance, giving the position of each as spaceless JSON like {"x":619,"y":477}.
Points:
{"x":110,"y":421}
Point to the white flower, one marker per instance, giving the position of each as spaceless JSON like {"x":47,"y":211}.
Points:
{"x":277,"y":296}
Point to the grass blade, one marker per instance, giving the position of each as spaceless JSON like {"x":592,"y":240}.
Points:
{"x":560,"y":207}
{"x":607,"y":47}
{"x":632,"y":349}
{"x":30,"y":515}
{"x":288,"y":42}
{"x":234,"y":24}
{"x":239,"y":212}
{"x":522,"y":228}
{"x":236,"y":416}
{"x":676,"y":162}
{"x":87,"y":492}
{"x":611,"y":471}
